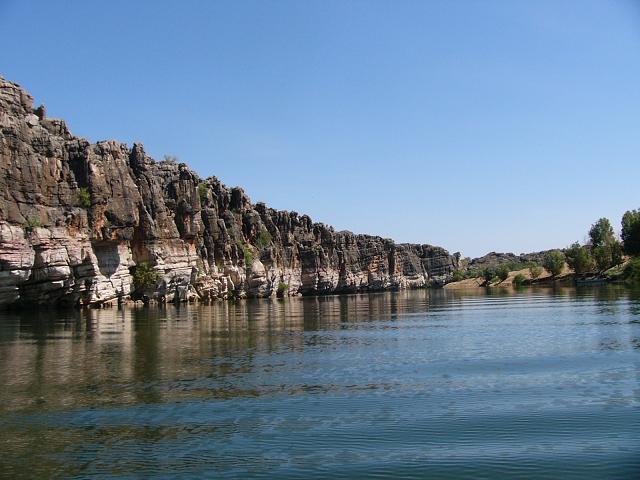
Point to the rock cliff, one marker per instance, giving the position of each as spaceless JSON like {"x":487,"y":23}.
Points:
{"x":77,"y":219}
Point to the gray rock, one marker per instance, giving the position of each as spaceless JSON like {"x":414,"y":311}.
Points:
{"x":75,"y":217}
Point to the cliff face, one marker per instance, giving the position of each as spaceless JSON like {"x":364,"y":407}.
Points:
{"x":77,"y":218}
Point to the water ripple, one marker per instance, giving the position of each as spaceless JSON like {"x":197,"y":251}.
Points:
{"x":535,"y":383}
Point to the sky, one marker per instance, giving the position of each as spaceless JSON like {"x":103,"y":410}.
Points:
{"x":475,"y":125}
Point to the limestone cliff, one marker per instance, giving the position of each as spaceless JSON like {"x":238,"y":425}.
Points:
{"x":76,"y":219}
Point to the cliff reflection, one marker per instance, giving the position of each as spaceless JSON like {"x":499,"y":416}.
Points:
{"x":54,"y":360}
{"x":57,"y":359}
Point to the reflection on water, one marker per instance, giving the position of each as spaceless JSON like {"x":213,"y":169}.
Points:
{"x":504,"y":383}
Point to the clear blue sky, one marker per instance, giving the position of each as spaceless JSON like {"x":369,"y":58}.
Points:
{"x":475,"y":125}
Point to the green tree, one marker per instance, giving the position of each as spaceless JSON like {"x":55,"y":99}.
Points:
{"x":144,"y":276}
{"x":603,"y":258}
{"x":502,"y":272}
{"x":631,"y":232}
{"x":579,"y":258}
{"x":519,"y":279}
{"x":554,"y":262}
{"x":535,"y":271}
{"x":632,"y":271}
{"x":488,"y":274}
{"x":457,"y":276}
{"x":473,"y":273}
{"x":601,"y":233}
{"x":608,"y":255}
{"x":616,"y":253}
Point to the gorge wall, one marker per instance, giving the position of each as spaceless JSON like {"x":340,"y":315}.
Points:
{"x":76,"y":219}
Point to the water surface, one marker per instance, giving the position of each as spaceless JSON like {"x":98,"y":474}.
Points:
{"x":420,"y":384}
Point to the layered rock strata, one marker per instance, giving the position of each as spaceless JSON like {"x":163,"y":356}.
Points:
{"x":77,"y":219}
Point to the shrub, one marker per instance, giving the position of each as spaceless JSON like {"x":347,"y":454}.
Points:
{"x":264,"y":239}
{"x":144,"y":276}
{"x":488,"y":274}
{"x":457,"y":276}
{"x":502,"y":272}
{"x":84,"y":197}
{"x":603,"y":257}
{"x":247,"y":254}
{"x":170,"y":158}
{"x":514,"y":266}
{"x":282,"y":289}
{"x":473,"y":273}
{"x":31,"y":223}
{"x":579,"y":258}
{"x":519,"y":279}
{"x":631,"y":232}
{"x":535,"y":271}
{"x":202,"y":192}
{"x":631,"y":273}
{"x":616,"y":253}
{"x":553,"y":262}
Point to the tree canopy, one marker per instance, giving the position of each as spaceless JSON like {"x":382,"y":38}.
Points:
{"x":631,"y":232}
{"x":601,"y":233}
{"x":554,"y":262}
{"x":579,"y":258}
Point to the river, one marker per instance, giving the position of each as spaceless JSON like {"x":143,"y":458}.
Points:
{"x":531,"y":383}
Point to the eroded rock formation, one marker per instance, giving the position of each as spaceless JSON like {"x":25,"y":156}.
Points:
{"x":77,"y":218}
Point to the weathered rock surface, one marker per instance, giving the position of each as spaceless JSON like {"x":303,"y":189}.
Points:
{"x":76,"y":218}
{"x":495,"y":259}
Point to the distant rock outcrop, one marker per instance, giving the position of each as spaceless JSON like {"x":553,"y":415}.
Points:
{"x":76,"y":218}
{"x":494,"y":259}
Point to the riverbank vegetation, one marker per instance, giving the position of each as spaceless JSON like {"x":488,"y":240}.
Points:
{"x":604,"y":256}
